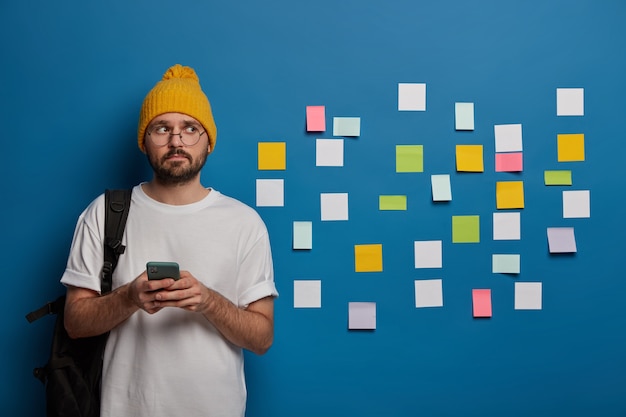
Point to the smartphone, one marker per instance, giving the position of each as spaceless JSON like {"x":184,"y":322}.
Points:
{"x":160,"y":270}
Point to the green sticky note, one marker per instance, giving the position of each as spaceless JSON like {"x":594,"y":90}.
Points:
{"x":409,"y":158}
{"x":465,"y":229}
{"x":505,"y":264}
{"x":392,"y":202}
{"x":557,"y":177}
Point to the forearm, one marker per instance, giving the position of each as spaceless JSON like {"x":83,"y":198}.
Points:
{"x":251,"y":328}
{"x":89,"y":314}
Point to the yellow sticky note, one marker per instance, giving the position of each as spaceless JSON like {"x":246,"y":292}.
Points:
{"x":368,"y":258}
{"x":571,"y":147}
{"x":272,"y":156}
{"x":509,"y":194}
{"x":469,"y":158}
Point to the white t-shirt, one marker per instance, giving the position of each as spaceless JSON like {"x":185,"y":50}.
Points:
{"x":174,"y":362}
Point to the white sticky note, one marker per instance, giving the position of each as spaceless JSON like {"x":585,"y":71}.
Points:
{"x":570,"y":101}
{"x":302,"y":235}
{"x":507,"y":226}
{"x":329,"y":152}
{"x":334,"y":206}
{"x":346,"y":126}
{"x":505,"y":264}
{"x":270,"y":193}
{"x":464,"y":116}
{"x":428,"y":254}
{"x":412,"y":97}
{"x":307,"y":294}
{"x":528,"y":296}
{"x":576,"y":204}
{"x":441,"y":189}
{"x":561,"y":240}
{"x":428,"y":293}
{"x":361,"y":316}
{"x":508,"y":138}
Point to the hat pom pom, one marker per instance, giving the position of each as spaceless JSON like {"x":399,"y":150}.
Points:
{"x":179,"y":71}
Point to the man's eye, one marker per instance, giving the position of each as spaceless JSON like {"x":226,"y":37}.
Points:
{"x":191,"y":129}
{"x":161,"y":130}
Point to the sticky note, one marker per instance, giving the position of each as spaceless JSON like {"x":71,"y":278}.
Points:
{"x":346,"y":126}
{"x":411,"y":97}
{"x":508,"y":137}
{"x":509,"y":162}
{"x":469,"y":158}
{"x":272,"y":156}
{"x":307,"y":294}
{"x":315,"y":118}
{"x":428,"y":293}
{"x":576,"y":204}
{"x":368,"y":258}
{"x":563,"y":177}
{"x":528,"y":295}
{"x":570,"y":101}
{"x":507,"y":226}
{"x":392,"y":202}
{"x":481,"y":302}
{"x":505,"y":264}
{"x":571,"y":147}
{"x":509,"y":195}
{"x":302,"y":235}
{"x":270,"y":193}
{"x":561,"y":240}
{"x":334,"y":206}
{"x":465,"y":229}
{"x":441,"y":189}
{"x":329,"y":152}
{"x":428,"y":254}
{"x":409,"y":158}
{"x":464,"y":116}
{"x":361,"y":316}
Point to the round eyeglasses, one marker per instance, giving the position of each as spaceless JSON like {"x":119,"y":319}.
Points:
{"x":161,"y":135}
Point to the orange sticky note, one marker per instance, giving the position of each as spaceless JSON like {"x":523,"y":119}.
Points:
{"x":509,"y":162}
{"x":571,"y":147}
{"x":368,"y":258}
{"x":509,"y":194}
{"x":469,"y":158}
{"x":272,"y":156}
{"x":315,"y":118}
{"x":481,"y":302}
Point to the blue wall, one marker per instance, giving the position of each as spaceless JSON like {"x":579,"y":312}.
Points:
{"x":73,"y":77}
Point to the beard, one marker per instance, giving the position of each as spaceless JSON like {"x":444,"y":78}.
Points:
{"x":177,"y":172}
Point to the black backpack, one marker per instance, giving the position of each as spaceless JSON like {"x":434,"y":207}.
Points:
{"x":73,"y":373}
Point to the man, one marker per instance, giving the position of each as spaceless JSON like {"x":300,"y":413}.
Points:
{"x":175,"y":346}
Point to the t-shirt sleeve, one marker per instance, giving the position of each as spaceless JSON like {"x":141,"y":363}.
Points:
{"x":84,"y":263}
{"x":256,"y":273}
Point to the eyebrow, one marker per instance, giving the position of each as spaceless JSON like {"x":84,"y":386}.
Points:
{"x":186,"y":122}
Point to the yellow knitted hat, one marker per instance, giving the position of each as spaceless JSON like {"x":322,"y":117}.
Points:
{"x":178,"y":92}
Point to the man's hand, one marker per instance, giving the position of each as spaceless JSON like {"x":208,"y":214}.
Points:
{"x":144,"y":292}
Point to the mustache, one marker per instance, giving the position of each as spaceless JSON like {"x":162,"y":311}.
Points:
{"x":175,"y":152}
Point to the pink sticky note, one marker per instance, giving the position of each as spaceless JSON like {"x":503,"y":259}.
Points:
{"x":481,"y":300}
{"x":315,"y":118}
{"x":509,"y":162}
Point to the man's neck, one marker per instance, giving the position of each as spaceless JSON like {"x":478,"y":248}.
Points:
{"x":176,"y":194}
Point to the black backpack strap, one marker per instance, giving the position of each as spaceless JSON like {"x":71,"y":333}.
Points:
{"x":117,"y":205}
{"x":53,"y":307}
